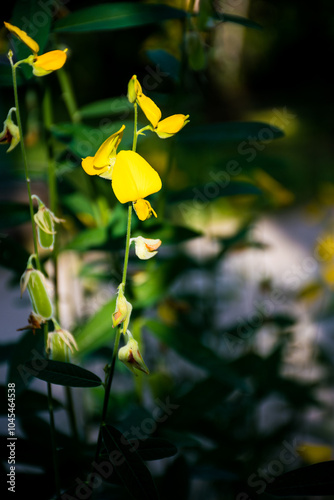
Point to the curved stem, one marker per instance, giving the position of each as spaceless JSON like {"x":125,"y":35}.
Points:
{"x":25,"y":162}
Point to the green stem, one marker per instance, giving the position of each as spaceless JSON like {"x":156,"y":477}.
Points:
{"x":135,"y":133}
{"x":25,"y":161}
{"x":68,"y":95}
{"x":127,"y":246}
{"x":52,"y":426}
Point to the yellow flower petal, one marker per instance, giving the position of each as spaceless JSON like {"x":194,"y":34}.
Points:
{"x":48,"y":62}
{"x":22,"y":35}
{"x":108,"y":149}
{"x":133,"y":177}
{"x":171,"y":125}
{"x":150,"y":109}
{"x":104,"y":159}
{"x":143,"y":209}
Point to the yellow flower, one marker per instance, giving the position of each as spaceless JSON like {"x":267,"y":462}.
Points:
{"x":171,"y":125}
{"x":43,"y":64}
{"x":10,"y":134}
{"x":145,"y":248}
{"x":133,"y":179}
{"x":163,"y":128}
{"x":103,"y":162}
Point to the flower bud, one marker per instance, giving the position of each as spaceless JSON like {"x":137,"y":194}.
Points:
{"x":122,"y":312}
{"x":131,"y":357}
{"x":145,"y":248}
{"x":58,"y":343}
{"x":45,"y":220}
{"x":10,"y":134}
{"x":34,"y":281}
{"x":134,"y":88}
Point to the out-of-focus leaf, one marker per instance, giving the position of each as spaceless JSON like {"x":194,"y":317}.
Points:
{"x":313,"y":480}
{"x":88,"y":239}
{"x":128,"y":466}
{"x":107,"y":107}
{"x":166,"y":62}
{"x":97,"y":330}
{"x":198,"y":192}
{"x":153,"y":448}
{"x":242,"y":21}
{"x":59,"y":373}
{"x":257,"y":132}
{"x":116,"y":16}
{"x":196,"y":352}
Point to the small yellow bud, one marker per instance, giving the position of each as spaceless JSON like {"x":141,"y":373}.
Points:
{"x":134,"y":88}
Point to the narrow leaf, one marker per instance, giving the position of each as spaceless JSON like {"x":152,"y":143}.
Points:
{"x":116,"y":16}
{"x":59,"y":373}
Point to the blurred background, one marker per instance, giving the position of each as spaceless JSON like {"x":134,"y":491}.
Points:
{"x":235,"y":313}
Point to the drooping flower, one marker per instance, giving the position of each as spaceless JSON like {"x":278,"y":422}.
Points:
{"x":103,"y":162}
{"x":10,"y":134}
{"x":43,"y":64}
{"x":145,"y":248}
{"x":134,"y":179}
{"x":163,"y":128}
{"x":131,"y":357}
{"x":45,"y":220}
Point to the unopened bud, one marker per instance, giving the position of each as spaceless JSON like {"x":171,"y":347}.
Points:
{"x":134,"y":88}
{"x":45,"y":220}
{"x":59,"y":342}
{"x":10,"y":134}
{"x":122,"y":312}
{"x":131,"y":357}
{"x":34,"y":281}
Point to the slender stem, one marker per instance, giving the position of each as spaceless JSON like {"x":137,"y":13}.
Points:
{"x":68,"y":95}
{"x":127,"y":246}
{"x":52,"y":426}
{"x":25,"y":162}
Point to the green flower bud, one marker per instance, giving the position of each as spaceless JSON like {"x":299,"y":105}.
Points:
{"x":34,"y":281}
{"x":45,"y":220}
{"x":131,"y":357}
{"x":122,"y":312}
{"x":60,"y":342}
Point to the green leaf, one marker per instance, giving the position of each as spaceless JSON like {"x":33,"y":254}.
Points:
{"x":193,"y":350}
{"x":242,"y":21}
{"x":107,"y":107}
{"x":229,"y":131}
{"x":154,"y":448}
{"x":166,"y":62}
{"x":116,"y":16}
{"x":231,"y":189}
{"x":128,"y":466}
{"x":59,"y":373}
{"x":97,"y":330}
{"x":313,"y":480}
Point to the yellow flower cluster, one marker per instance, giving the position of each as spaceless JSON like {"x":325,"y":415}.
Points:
{"x":132,"y":177}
